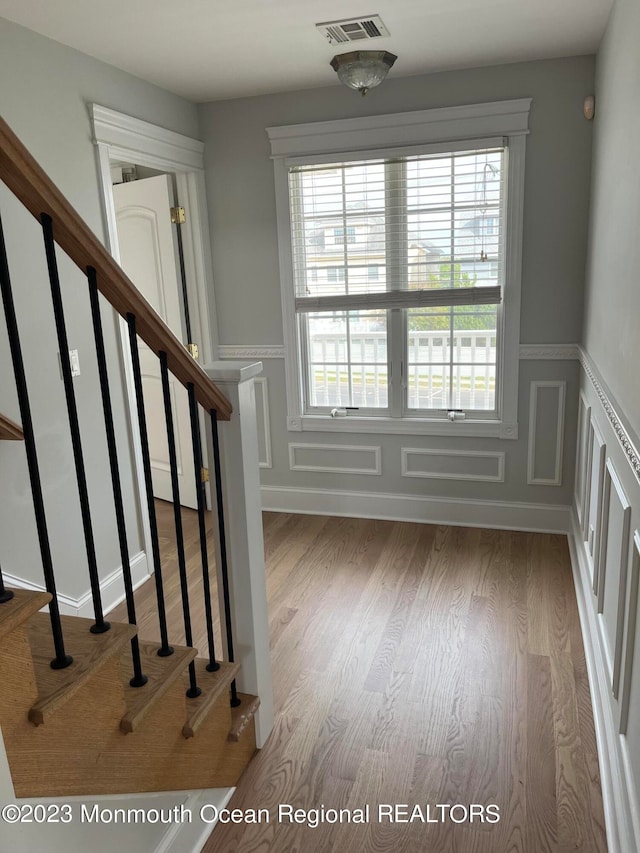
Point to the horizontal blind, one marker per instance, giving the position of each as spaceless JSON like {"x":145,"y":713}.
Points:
{"x":406,"y":231}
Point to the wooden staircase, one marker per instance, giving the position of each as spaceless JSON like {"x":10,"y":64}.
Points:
{"x":84,"y":730}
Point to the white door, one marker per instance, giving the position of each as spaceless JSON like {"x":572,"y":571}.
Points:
{"x":148,"y":256}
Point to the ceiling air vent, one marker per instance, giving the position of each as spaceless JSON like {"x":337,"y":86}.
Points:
{"x":353,"y":29}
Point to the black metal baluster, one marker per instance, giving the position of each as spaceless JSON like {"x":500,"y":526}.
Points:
{"x":5,"y":594}
{"x":139,"y":679}
{"x":213,"y":665}
{"x":224,"y":568}
{"x":165,"y":649}
{"x":193,"y":690}
{"x":100,"y":625}
{"x":62,"y":659}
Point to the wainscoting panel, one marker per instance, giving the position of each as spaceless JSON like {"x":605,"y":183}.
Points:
{"x":546,"y":433}
{"x":480,"y":465}
{"x":594,"y":476}
{"x":264,"y":429}
{"x":582,"y":449}
{"x":606,"y":562}
{"x":612,"y":580}
{"x":335,"y":458}
{"x":631,"y":620}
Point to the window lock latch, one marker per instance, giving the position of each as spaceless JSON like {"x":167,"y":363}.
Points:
{"x":456,"y":415}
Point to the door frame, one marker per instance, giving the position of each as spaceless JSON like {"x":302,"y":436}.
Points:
{"x":119,"y":137}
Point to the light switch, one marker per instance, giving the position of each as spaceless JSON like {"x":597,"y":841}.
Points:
{"x":75,"y":362}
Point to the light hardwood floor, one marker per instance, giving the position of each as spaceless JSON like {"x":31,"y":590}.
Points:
{"x":416,"y":664}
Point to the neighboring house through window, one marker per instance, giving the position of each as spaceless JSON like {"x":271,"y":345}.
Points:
{"x":411,"y":323}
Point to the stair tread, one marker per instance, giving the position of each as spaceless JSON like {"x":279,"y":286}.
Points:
{"x":213,"y":685}
{"x":10,"y":430}
{"x":25,"y":603}
{"x":242,"y":715}
{"x":89,"y":652}
{"x":161,"y":672}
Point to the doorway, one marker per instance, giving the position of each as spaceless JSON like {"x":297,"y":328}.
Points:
{"x":151,"y":255}
{"x":167,"y":164}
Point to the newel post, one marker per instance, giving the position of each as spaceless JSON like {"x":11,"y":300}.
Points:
{"x":245,"y":544}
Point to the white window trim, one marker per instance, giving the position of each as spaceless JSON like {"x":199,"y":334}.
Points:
{"x":402,"y":130}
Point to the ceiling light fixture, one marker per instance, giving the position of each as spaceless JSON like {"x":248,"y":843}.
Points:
{"x":363,"y":69}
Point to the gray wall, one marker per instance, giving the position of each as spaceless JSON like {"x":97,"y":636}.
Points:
{"x":244,"y":242}
{"x":612,"y":298}
{"x":611,"y":526}
{"x":44,"y":97}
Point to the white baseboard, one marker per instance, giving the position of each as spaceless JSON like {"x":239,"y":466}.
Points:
{"x":112,"y":588}
{"x":543,"y":518}
{"x":621,"y":808}
{"x":190,"y":837}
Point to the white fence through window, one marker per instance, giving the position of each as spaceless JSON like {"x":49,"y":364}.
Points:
{"x":444,"y":370}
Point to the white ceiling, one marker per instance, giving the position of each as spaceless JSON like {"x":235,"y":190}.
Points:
{"x":210,"y":49}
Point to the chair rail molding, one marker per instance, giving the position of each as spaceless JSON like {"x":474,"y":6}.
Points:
{"x":629,"y":445}
{"x":549,"y":352}
{"x":252,"y":351}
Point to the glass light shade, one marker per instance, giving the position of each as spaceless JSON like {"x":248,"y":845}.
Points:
{"x":363,"y":69}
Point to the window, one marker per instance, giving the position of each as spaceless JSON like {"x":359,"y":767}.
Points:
{"x":416,"y":321}
{"x":439,"y":295}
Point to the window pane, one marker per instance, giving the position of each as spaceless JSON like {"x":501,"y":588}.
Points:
{"x":454,"y":219}
{"x":347,"y":359}
{"x":338,"y":220}
{"x":451,"y":357}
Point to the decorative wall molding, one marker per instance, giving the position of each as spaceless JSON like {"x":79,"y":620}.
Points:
{"x":498,"y":457}
{"x":112,"y":588}
{"x":264,"y":428}
{"x":620,"y":806}
{"x":610,"y":408}
{"x":549,"y":352}
{"x":498,"y":118}
{"x":612,"y":579}
{"x":593,"y":510}
{"x":240,"y":351}
{"x":556,"y":480}
{"x":581,"y":479}
{"x":375,"y":453}
{"x":630,"y":635}
{"x":501,"y":515}
{"x":129,"y":135}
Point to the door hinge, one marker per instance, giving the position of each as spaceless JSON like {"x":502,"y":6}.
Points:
{"x":204,"y":475}
{"x":193,"y":351}
{"x":178,"y":216}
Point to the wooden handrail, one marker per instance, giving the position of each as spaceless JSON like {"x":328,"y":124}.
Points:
{"x":10,"y":430}
{"x":28,"y":182}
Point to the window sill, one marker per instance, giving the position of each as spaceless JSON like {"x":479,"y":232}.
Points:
{"x":403,"y":426}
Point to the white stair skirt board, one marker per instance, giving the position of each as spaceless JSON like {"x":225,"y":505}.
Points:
{"x":502,"y":515}
{"x":186,"y":834}
{"x":112,"y":588}
{"x":621,"y":809}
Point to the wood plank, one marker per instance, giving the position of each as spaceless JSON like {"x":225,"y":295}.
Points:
{"x":161,"y":672}
{"x":542,"y":758}
{"x":18,"y":609}
{"x":10,"y":430}
{"x":242,"y":715}
{"x":29,"y":182}
{"x":214,"y":686}
{"x":89,"y":651}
